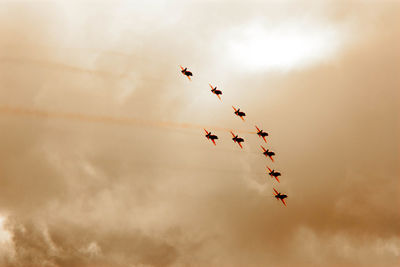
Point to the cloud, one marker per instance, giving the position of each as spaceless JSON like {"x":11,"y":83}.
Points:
{"x":92,"y":192}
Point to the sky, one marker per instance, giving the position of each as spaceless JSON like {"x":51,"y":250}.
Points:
{"x":103,"y":159}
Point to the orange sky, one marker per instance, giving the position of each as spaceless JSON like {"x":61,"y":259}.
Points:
{"x":103,"y":159}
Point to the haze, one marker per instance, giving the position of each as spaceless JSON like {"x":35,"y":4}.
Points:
{"x":103,"y":159}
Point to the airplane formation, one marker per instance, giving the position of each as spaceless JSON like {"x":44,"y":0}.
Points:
{"x":239,"y":140}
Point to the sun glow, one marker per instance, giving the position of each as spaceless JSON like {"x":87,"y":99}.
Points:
{"x":283,"y":47}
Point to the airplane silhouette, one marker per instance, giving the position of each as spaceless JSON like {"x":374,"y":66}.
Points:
{"x":239,"y":113}
{"x":211,"y":137}
{"x":273,"y":173}
{"x":215,"y":91}
{"x":268,"y":153}
{"x":280,"y":196}
{"x":186,"y":72}
{"x":237,"y":139}
{"x":262,"y":134}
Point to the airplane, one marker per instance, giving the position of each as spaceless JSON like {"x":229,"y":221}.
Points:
{"x":268,"y":153}
{"x":237,"y":139}
{"x":239,"y":113}
{"x":280,"y":196}
{"x":262,"y":134}
{"x":211,"y":137}
{"x":186,"y":72}
{"x":273,"y":173}
{"x":215,"y":91}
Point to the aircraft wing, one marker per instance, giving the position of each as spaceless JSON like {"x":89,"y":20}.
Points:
{"x":283,"y":201}
{"x":277,"y":179}
{"x":212,"y":140}
{"x":205,"y":131}
{"x":211,"y":86}
{"x":234,"y":108}
{"x":276,"y":191}
{"x":263,"y":148}
{"x":269,"y":169}
{"x":232,"y":133}
{"x":219,"y":97}
{"x":257,"y":128}
{"x":242,"y":118}
{"x":240,"y":145}
{"x":264,"y":139}
{"x":271,"y":158}
{"x":181,"y":67}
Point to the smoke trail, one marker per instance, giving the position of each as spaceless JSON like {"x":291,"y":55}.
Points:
{"x":21,"y":111}
{"x":58,"y":66}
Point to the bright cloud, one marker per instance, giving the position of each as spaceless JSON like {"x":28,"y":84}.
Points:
{"x":283,"y":47}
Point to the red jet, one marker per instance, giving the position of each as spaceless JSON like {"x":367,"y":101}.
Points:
{"x":239,"y":113}
{"x":280,"y":196}
{"x":268,"y":153}
{"x":237,"y":139}
{"x":273,"y":173}
{"x":211,"y":137}
{"x":186,"y":72}
{"x":215,"y":91}
{"x":262,"y":134}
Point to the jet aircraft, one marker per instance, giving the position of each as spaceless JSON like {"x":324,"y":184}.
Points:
{"x":186,"y":72}
{"x":237,"y":139}
{"x":211,"y":137}
{"x":274,"y":174}
{"x":280,"y":196}
{"x":239,"y":113}
{"x":261,"y":134}
{"x":215,"y":91}
{"x":268,"y":153}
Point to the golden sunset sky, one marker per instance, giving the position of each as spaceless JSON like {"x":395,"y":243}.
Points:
{"x":103,"y":159}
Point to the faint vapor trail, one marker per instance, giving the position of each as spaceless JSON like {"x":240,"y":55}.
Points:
{"x":58,"y":66}
{"x":21,"y":111}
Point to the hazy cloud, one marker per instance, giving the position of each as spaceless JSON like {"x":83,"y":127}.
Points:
{"x":98,"y":193}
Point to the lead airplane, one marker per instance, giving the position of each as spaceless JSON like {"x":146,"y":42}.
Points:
{"x":280,"y":196}
{"x":186,"y":72}
{"x":211,"y":137}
